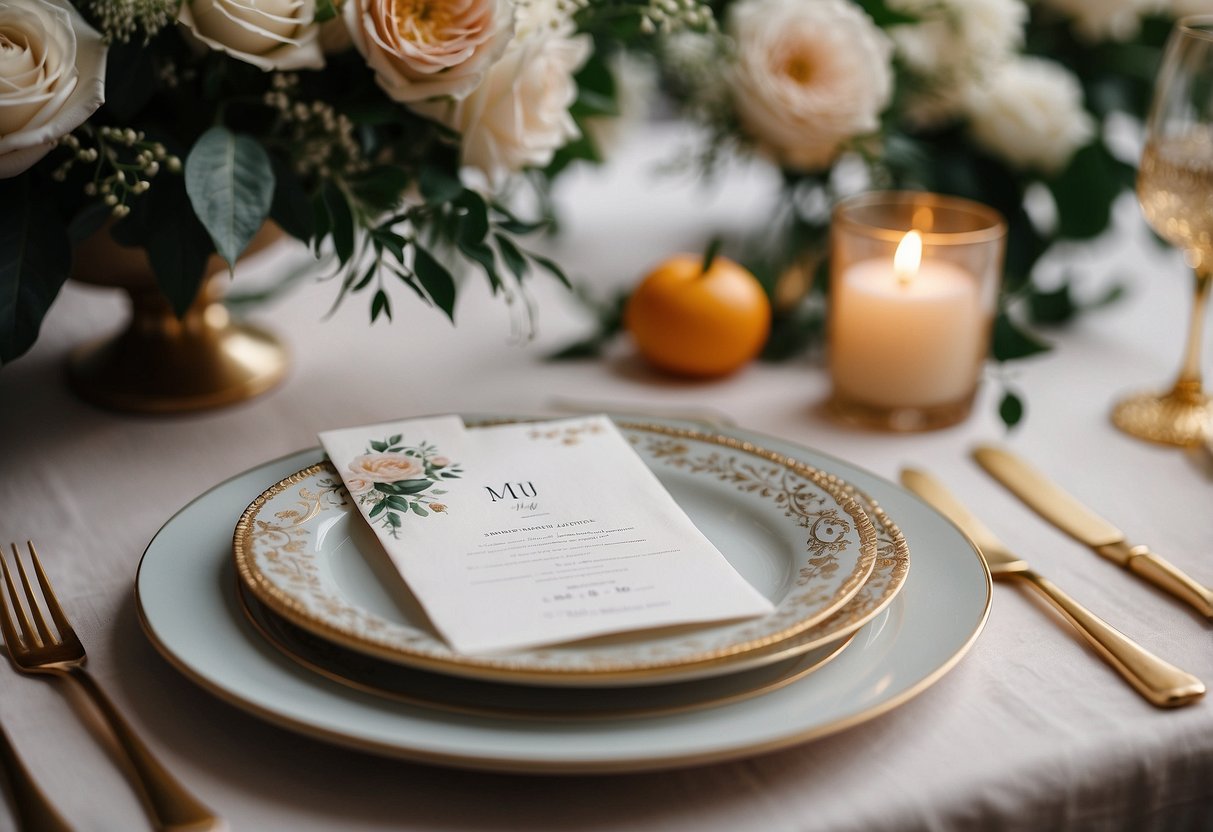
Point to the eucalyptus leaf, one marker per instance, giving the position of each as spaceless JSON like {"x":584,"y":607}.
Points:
{"x":437,"y":186}
{"x":35,"y":259}
{"x":230,"y":182}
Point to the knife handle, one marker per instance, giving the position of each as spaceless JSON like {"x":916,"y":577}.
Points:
{"x":1169,"y":578}
{"x":1162,"y":684}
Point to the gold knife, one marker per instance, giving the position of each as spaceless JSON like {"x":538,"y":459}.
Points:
{"x":1085,"y":526}
{"x":1162,"y":684}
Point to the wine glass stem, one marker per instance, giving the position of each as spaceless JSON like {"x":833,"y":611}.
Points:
{"x":1189,"y":381}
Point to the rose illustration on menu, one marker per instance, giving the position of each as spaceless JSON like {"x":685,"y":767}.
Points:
{"x":393,"y":480}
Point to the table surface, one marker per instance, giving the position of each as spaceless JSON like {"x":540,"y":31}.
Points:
{"x":1030,"y":731}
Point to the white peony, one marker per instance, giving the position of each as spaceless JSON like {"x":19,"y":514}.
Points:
{"x":954,"y":45}
{"x":1098,"y":20}
{"x":421,"y":50}
{"x":809,"y":77}
{"x":1030,"y":113}
{"x":519,"y":115}
{"x":269,"y":34}
{"x":52,"y":78}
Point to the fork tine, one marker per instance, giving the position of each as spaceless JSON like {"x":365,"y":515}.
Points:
{"x":27,"y":628}
{"x":7,"y":628}
{"x":52,"y":601}
{"x":35,"y":607}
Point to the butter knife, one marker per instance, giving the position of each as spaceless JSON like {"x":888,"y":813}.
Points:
{"x":1160,"y":683}
{"x":1084,"y":525}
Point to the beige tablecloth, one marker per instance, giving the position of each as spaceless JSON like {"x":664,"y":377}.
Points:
{"x":1029,"y":732}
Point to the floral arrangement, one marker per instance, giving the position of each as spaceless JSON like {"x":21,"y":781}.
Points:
{"x":1012,"y":103}
{"x":390,"y":478}
{"x":382,"y":131}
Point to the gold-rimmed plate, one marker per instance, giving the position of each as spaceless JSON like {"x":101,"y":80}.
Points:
{"x":797,"y":533}
{"x":441,"y":691}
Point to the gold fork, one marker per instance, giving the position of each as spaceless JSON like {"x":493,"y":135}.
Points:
{"x":37,"y":650}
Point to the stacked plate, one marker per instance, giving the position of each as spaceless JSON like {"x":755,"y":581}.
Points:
{"x":310,"y":626}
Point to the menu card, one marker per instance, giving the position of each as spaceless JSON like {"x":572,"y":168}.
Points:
{"x":522,"y":535}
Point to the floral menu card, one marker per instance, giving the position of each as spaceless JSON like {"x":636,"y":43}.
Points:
{"x":523,"y":535}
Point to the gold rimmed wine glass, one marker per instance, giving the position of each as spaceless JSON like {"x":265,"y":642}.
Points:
{"x":1175,"y":188}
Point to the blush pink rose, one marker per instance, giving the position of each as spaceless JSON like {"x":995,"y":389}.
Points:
{"x":387,"y":467}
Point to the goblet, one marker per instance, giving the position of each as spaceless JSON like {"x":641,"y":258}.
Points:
{"x":1175,"y":188}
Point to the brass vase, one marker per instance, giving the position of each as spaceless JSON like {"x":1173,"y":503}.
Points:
{"x":160,"y":363}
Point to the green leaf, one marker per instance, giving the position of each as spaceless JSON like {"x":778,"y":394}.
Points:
{"x":482,"y":254}
{"x":551,"y":267}
{"x":412,"y":486}
{"x":437,"y":186}
{"x":381,"y":188}
{"x":1010,"y":409}
{"x":1055,"y":307}
{"x":1085,"y":190}
{"x":394,"y":438}
{"x":379,"y":447}
{"x":130,"y":79}
{"x":380,"y":305}
{"x":322,"y":222}
{"x":378,"y":509}
{"x":325,"y":10}
{"x":230,"y":182}
{"x":513,"y":257}
{"x":88,"y":221}
{"x":883,"y":16}
{"x":474,"y":224}
{"x":343,"y":221}
{"x":35,"y":259}
{"x":398,"y":503}
{"x":418,"y":510}
{"x":393,"y":520}
{"x":436,"y":279}
{"x":1011,"y":342}
{"x":291,"y":208}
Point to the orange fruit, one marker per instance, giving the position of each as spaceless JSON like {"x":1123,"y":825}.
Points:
{"x":695,"y":323}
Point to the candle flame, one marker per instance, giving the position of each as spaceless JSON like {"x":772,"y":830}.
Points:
{"x":908,"y":257}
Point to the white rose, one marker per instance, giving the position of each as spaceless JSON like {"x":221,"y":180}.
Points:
{"x":270,"y":34}
{"x":357,"y":484}
{"x":422,"y":50}
{"x":809,"y":77}
{"x":52,"y":78}
{"x":519,"y":116}
{"x":954,"y":44}
{"x":1030,"y":113}
{"x":1098,"y":20}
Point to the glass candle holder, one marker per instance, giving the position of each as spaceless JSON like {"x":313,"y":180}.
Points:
{"x":914,"y":281}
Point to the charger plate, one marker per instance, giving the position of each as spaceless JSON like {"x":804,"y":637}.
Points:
{"x":796,"y":533}
{"x":454,"y":693}
{"x":190,"y":613}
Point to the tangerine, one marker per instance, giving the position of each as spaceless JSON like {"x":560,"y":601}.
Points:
{"x":696,"y":322}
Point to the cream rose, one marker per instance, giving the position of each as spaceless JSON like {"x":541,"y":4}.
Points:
{"x":421,"y":49}
{"x":270,"y":34}
{"x":52,"y":78}
{"x":1030,"y":113}
{"x":809,"y":77}
{"x":387,"y":467}
{"x":357,"y":484}
{"x":519,"y":116}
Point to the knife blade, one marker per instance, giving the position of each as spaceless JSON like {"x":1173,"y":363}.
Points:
{"x":1065,"y":512}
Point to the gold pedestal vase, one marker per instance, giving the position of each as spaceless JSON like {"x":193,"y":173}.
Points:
{"x":160,"y":363}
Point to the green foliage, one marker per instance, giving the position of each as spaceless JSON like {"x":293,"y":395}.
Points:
{"x":230,"y":182}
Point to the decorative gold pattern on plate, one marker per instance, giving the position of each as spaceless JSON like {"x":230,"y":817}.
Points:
{"x":288,"y":583}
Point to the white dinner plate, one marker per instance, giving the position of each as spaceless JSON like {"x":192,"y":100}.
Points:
{"x":795,"y":533}
{"x":188,"y":608}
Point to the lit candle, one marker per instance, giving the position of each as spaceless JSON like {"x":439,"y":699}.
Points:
{"x":906,"y":332}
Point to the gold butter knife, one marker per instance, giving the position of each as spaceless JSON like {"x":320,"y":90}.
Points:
{"x":1084,"y":525}
{"x":1162,"y":684}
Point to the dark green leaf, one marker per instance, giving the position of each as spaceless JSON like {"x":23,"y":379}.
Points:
{"x":1011,"y":342}
{"x":35,"y":258}
{"x":325,"y":10}
{"x":130,"y":79}
{"x":1010,"y":409}
{"x":381,"y":188}
{"x":230,"y":182}
{"x":1055,"y":307}
{"x":437,"y":186}
{"x":367,"y":277}
{"x":412,"y":486}
{"x":343,"y":221}
{"x":322,"y":222}
{"x":290,"y":207}
{"x":379,"y":447}
{"x":393,"y":520}
{"x":550,"y":267}
{"x":513,"y":257}
{"x":1085,"y":190}
{"x":883,"y":16}
{"x":387,"y":239}
{"x":586,"y":348}
{"x":378,"y":509}
{"x":380,"y":305}
{"x":474,"y":223}
{"x":482,"y":254}
{"x":398,"y":503}
{"x":394,"y":438}
{"x":436,"y":279}
{"x":418,"y":510}
{"x":88,"y":222}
